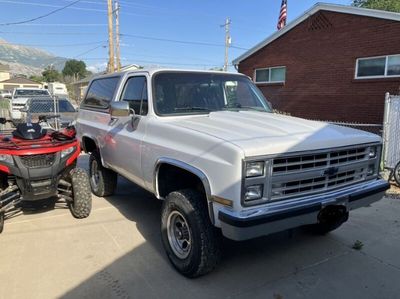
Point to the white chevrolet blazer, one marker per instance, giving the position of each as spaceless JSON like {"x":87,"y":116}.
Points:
{"x":209,"y":145}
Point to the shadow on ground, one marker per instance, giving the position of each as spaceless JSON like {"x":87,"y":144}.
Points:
{"x":145,"y":271}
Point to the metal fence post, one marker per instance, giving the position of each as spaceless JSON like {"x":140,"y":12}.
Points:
{"x":385,"y":129}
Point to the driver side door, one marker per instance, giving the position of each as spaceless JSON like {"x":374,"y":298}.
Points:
{"x":125,"y":135}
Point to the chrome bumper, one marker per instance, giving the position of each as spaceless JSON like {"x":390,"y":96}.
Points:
{"x":286,"y":214}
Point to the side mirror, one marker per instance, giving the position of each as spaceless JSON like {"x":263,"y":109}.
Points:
{"x":119,"y":109}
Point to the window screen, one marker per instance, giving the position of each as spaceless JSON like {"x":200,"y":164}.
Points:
{"x":393,"y":65}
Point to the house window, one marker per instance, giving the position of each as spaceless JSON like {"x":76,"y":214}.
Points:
{"x":270,"y":75}
{"x":378,"y":67}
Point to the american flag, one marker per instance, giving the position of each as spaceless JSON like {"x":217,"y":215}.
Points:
{"x":282,"y":15}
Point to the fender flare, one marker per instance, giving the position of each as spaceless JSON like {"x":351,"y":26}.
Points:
{"x":195,"y":171}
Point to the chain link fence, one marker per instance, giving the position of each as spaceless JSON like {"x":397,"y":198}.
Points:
{"x":391,"y":131}
{"x":48,"y":109}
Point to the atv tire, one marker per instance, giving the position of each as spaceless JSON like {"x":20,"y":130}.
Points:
{"x":191,"y":242}
{"x":82,"y":197}
{"x":1,"y":222}
{"x":103,"y":181}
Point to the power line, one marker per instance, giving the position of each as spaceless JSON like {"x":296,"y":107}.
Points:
{"x":180,"y":41}
{"x":80,"y":54}
{"x":40,"y":17}
{"x":51,"y":33}
{"x":51,"y":45}
{"x":154,"y":62}
{"x":65,"y":25}
{"x":62,"y":7}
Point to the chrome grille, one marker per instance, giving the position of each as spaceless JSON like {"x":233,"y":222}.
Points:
{"x":317,"y":183}
{"x":310,"y":173}
{"x":318,"y":161}
{"x":38,"y":161}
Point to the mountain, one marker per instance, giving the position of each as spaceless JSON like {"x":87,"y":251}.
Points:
{"x":27,"y":60}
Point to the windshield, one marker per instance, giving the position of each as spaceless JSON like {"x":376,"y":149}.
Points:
{"x":194,"y":93}
{"x":31,"y":92}
{"x":39,"y":106}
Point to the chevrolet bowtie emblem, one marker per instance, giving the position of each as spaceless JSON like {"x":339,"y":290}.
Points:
{"x":331,"y":171}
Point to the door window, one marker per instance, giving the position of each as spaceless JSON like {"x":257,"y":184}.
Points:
{"x":135,"y":93}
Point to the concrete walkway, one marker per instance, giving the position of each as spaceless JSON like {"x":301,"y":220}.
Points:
{"x":117,"y":253}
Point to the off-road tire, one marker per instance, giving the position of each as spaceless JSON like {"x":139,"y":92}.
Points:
{"x":396,"y":174}
{"x":107,"y":179}
{"x":1,"y":222}
{"x":205,"y":251}
{"x":82,"y":196}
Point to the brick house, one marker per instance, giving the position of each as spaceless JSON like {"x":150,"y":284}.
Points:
{"x":332,"y":63}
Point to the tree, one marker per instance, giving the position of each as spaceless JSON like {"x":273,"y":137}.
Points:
{"x":75,"y":68}
{"x":389,"y":5}
{"x":36,"y":78}
{"x":50,"y":74}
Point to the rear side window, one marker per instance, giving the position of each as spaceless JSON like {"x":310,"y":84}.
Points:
{"x":100,"y":93}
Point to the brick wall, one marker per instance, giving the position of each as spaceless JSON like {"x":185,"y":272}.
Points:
{"x":320,"y":56}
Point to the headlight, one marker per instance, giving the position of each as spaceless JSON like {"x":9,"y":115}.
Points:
{"x":7,"y":159}
{"x":372,"y":152}
{"x":253,"y":192}
{"x":254,"y":169}
{"x":67,"y":151}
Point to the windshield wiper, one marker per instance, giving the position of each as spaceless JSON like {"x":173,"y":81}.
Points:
{"x":192,"y":109}
{"x":238,"y":106}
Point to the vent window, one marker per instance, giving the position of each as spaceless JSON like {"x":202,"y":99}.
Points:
{"x":319,"y":22}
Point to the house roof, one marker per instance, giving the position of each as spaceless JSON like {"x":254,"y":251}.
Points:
{"x":380,"y":14}
{"x":4,"y":68}
{"x":20,"y":80}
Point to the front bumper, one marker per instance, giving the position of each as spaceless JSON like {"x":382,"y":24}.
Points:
{"x":283,"y":215}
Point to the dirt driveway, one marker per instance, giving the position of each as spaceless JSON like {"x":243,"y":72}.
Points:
{"x":117,"y":253}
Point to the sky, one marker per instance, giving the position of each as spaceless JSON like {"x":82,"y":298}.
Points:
{"x":80,"y":31}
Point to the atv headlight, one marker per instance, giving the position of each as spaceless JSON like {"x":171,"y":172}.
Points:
{"x":7,"y":159}
{"x":67,"y":151}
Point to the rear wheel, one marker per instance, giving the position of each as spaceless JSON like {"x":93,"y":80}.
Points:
{"x":82,"y":197}
{"x":103,"y":181}
{"x":191,"y":242}
{"x":1,"y":222}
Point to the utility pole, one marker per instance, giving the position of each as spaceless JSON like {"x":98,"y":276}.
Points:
{"x":117,"y":46}
{"x":111,"y":67}
{"x":227,"y":42}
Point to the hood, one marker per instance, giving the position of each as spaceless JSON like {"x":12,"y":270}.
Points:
{"x":260,"y":133}
{"x":21,"y":100}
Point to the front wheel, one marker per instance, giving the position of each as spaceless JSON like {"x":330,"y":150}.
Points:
{"x":103,"y":181}
{"x":191,"y":242}
{"x":81,"y":194}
